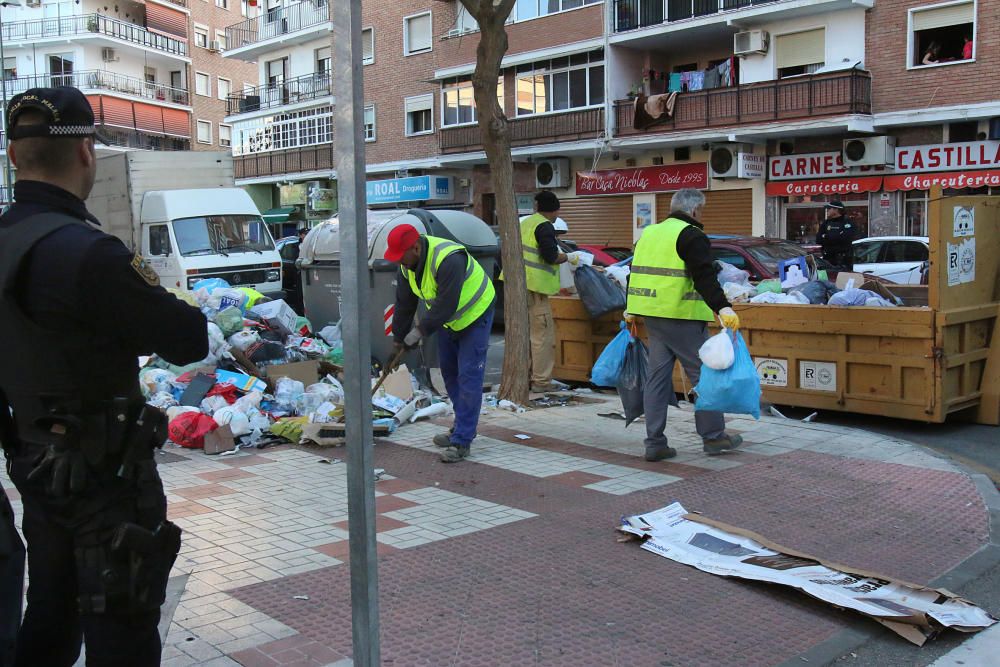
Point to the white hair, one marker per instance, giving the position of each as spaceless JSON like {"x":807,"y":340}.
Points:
{"x":687,"y":201}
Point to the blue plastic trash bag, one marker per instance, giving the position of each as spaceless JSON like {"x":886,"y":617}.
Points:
{"x":210,"y":284}
{"x":632,"y":381}
{"x":735,"y":390}
{"x":598,"y":293}
{"x":609,"y":365}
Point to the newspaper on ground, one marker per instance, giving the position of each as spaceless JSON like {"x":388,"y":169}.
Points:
{"x":915,"y":612}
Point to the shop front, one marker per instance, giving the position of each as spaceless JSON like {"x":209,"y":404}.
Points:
{"x":881,"y":201}
{"x":426,"y":191}
{"x":612,"y":206}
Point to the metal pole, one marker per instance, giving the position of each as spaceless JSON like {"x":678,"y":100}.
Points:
{"x":348,"y":117}
{"x":3,"y":87}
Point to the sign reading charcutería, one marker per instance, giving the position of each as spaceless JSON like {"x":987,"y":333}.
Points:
{"x":414,"y":188}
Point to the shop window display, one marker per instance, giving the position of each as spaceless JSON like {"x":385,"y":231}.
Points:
{"x":803,"y":215}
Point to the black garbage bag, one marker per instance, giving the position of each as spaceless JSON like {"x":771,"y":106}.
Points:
{"x":599,"y":293}
{"x":632,"y":380}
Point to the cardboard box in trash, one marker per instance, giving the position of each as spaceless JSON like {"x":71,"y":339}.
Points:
{"x":277,"y":315}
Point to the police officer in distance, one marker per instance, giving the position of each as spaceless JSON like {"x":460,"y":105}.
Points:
{"x":836,"y":236}
{"x":77,"y":310}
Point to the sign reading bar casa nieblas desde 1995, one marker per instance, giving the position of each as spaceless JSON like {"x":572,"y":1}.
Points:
{"x":638,"y":180}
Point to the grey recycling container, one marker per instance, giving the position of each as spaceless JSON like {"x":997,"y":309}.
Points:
{"x":319,"y":266}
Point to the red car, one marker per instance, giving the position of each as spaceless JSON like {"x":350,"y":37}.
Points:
{"x":605,"y":255}
{"x":760,"y":256}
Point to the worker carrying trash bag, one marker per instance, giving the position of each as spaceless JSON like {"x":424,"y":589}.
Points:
{"x":673,"y":285}
{"x":459,"y":296}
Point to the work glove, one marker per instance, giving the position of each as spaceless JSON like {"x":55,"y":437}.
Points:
{"x":65,"y":469}
{"x":628,"y":317}
{"x":413,"y":338}
{"x":573,"y":258}
{"x":730,"y":319}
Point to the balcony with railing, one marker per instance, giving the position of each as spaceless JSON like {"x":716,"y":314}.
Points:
{"x":274,"y":95}
{"x":812,"y":96}
{"x":527,"y":130}
{"x":102,"y":80}
{"x":91,"y":24}
{"x":302,"y":160}
{"x":121,"y":137}
{"x":635,"y":14}
{"x":279,"y":22}
{"x":179,"y":3}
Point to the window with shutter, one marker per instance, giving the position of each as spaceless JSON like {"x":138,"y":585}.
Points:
{"x":417,"y":34}
{"x":800,"y":52}
{"x":942,"y":34}
{"x":368,"y":45}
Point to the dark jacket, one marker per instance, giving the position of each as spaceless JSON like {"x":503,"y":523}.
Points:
{"x":837,"y":234}
{"x":696,"y":251}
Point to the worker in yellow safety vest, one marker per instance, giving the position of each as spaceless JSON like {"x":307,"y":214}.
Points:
{"x":674,"y":286}
{"x":459,"y":297}
{"x":541,"y":265}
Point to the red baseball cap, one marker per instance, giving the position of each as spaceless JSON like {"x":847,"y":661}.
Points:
{"x":401,"y":239}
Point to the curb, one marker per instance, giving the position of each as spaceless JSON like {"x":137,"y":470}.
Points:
{"x":859,"y":630}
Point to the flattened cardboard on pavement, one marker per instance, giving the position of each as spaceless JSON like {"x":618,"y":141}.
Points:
{"x":915,"y":612}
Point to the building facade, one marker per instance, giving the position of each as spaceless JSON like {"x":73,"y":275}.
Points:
{"x":772,"y":107}
{"x":139,"y":64}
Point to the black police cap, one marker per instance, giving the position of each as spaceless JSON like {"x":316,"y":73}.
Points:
{"x":66,"y":110}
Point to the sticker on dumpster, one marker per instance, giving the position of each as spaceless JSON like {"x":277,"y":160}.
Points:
{"x":962,"y":262}
{"x":965,"y":221}
{"x":817,"y":375}
{"x":772,"y":372}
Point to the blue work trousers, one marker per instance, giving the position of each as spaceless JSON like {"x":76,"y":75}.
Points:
{"x":462,"y":355}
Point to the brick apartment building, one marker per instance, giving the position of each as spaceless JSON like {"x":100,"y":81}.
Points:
{"x":781,"y":105}
{"x":135,"y":61}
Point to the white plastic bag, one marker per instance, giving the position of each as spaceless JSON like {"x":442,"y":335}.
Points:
{"x":238,"y":422}
{"x":250,"y":403}
{"x":730,"y":274}
{"x":244,"y":339}
{"x":736,"y":292}
{"x":155,"y":381}
{"x":619,"y":274}
{"x":329,"y":392}
{"x":331,"y":334}
{"x":288,"y":392}
{"x":717,"y":352}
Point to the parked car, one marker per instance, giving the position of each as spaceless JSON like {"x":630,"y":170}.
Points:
{"x":900,"y":259}
{"x":288,"y":248}
{"x":760,"y":256}
{"x":605,"y":255}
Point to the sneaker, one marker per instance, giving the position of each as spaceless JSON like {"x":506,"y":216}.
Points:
{"x":443,"y":440}
{"x":660,"y":453}
{"x":454,"y":454}
{"x":721,"y":445}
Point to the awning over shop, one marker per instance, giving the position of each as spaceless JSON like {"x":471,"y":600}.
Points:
{"x":824,"y":186}
{"x":950,"y":180}
{"x":278,"y":215}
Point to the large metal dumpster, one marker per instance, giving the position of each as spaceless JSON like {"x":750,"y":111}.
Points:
{"x":936,"y":356}
{"x":320,"y":269}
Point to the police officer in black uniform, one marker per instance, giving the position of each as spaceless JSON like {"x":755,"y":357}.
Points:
{"x":836,"y":236}
{"x":77,"y":310}
{"x":11,"y":578}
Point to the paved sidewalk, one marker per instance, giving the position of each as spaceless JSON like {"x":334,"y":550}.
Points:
{"x":511,"y":558}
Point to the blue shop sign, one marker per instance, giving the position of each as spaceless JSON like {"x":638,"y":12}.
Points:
{"x":415,"y":188}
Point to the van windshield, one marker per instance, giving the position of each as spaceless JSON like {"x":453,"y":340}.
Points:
{"x":221,"y":234}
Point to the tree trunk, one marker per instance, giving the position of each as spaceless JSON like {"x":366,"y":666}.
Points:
{"x":494,"y":129}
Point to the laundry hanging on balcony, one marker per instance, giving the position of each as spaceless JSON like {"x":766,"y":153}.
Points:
{"x":653,"y":109}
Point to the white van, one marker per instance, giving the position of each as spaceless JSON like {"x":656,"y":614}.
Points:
{"x":181,"y":212}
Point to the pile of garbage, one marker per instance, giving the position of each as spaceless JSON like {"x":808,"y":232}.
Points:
{"x":800,"y":287}
{"x":268,"y":379}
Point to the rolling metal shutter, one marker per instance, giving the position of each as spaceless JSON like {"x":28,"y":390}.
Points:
{"x":598,"y":220}
{"x":943,"y":17}
{"x":117,"y":112}
{"x":177,"y":122}
{"x":148,"y":118}
{"x":166,"y":21}
{"x":726,"y":211}
{"x":801,"y":48}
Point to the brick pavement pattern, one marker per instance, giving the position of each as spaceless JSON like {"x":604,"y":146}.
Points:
{"x":511,"y":558}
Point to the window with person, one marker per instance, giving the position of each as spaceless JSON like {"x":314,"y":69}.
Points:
{"x":942,"y":34}
{"x":159,"y":240}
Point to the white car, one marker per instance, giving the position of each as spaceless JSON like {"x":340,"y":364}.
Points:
{"x":896,"y":258}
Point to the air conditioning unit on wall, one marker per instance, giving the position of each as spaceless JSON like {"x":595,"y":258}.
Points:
{"x":553,"y":173}
{"x":867,"y":151}
{"x":724,"y":160}
{"x":751,"y":42}
{"x":108,"y":55}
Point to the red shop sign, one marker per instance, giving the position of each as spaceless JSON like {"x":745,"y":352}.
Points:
{"x":668,"y":178}
{"x":948,"y":179}
{"x":825,"y":186}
